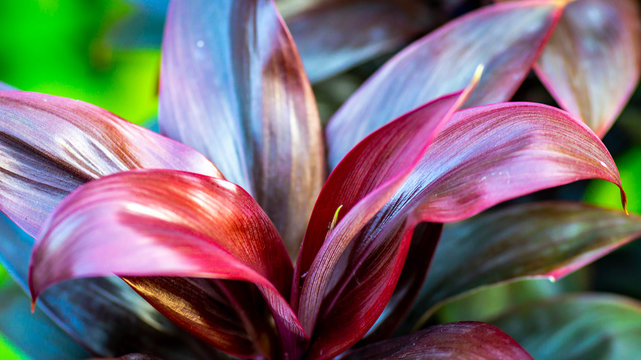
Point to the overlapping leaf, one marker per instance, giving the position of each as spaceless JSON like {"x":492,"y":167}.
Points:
{"x":167,"y":223}
{"x":546,"y":240}
{"x":484,"y":155}
{"x":234,"y":88}
{"x":93,"y":310}
{"x":462,"y":340}
{"x":443,"y":62}
{"x":587,"y":326}
{"x":592,"y":62}
{"x":51,"y":145}
{"x":359,"y":186}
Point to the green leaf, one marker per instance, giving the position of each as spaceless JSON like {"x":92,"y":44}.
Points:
{"x":586,"y":326}
{"x":542,"y":240}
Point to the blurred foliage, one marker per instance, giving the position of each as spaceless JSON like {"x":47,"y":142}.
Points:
{"x":59,"y":47}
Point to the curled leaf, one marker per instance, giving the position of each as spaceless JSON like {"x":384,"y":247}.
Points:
{"x":166,"y":223}
{"x":361,"y":184}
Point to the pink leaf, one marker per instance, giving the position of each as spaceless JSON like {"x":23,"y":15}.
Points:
{"x":165,"y":223}
{"x":51,"y":145}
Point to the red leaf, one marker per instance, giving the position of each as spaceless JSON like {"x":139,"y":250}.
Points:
{"x":166,"y":223}
{"x":361,"y":184}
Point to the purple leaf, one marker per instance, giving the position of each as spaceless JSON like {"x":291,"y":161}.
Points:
{"x":461,"y":340}
{"x":443,"y":62}
{"x":167,"y":223}
{"x":592,"y":62}
{"x":51,"y":145}
{"x":490,"y":248}
{"x":330,"y":41}
{"x":586,"y":326}
{"x":362,"y":183}
{"x":233,"y":87}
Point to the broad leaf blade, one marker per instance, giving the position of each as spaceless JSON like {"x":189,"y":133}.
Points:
{"x":51,"y":145}
{"x":542,"y":240}
{"x":233,"y":87}
{"x":330,"y":41}
{"x":93,"y":310}
{"x":592,"y":62}
{"x":484,"y":155}
{"x":167,"y":223}
{"x":361,"y":184}
{"x":493,"y":153}
{"x":442,"y":62}
{"x":462,"y":340}
{"x":595,"y":327}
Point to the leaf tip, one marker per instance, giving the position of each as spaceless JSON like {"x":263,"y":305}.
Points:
{"x":624,"y":202}
{"x":332,"y":225}
{"x":478,"y":73}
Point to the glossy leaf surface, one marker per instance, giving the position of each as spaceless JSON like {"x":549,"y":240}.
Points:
{"x":594,"y":327}
{"x":462,"y":340}
{"x":50,"y":145}
{"x":166,"y":223}
{"x":93,"y":310}
{"x":361,"y":184}
{"x":233,"y":87}
{"x":540,"y":240}
{"x":492,"y":153}
{"x":443,"y":62}
{"x":592,"y":62}
{"x":330,"y":41}
{"x":483,"y":156}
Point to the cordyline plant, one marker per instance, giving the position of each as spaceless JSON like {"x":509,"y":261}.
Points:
{"x":211,"y":246}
